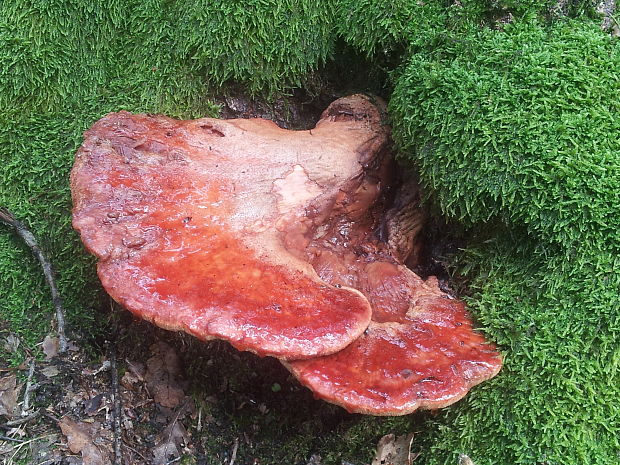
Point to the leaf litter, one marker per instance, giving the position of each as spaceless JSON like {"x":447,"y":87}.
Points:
{"x":170,"y":444}
{"x":9,"y":392}
{"x":72,"y":395}
{"x":163,"y":375}
{"x":50,"y":346}
{"x":163,"y":420}
{"x":81,"y":437}
{"x":394,"y":450}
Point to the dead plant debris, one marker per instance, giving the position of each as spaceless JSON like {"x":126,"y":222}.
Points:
{"x":87,"y":439}
{"x":395,"y":450}
{"x":9,"y":392}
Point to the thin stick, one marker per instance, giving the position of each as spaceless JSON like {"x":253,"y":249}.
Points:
{"x":170,"y":429}
{"x":134,"y":451}
{"x":26,"y":405}
{"x":21,"y":421}
{"x":116,"y":400}
{"x":21,"y":444}
{"x":6,"y":438}
{"x":22,"y":231}
{"x":199,"y":425}
{"x":47,"y":462}
{"x":234,"y":452}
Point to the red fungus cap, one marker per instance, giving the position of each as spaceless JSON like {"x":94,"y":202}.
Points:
{"x":428,"y":358}
{"x":197,"y":224}
{"x":420,"y":349}
{"x":278,"y":241}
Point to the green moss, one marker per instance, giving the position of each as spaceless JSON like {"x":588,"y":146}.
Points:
{"x":264,"y":43}
{"x":519,"y":128}
{"x":385,"y":26}
{"x":554,"y":402}
{"x":36,"y":153}
{"x":170,"y":49}
{"x":65,"y":63}
{"x":519,"y":125}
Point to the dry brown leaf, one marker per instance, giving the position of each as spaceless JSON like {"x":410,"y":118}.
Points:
{"x":50,"y":346}
{"x":137,"y":369}
{"x":11,"y":343}
{"x":128,"y":381}
{"x":50,"y":371}
{"x":393,"y":450}
{"x":80,"y":440}
{"x":9,"y":391}
{"x":314,"y":460}
{"x":169,"y":442}
{"x":134,"y":375}
{"x":162,"y":371}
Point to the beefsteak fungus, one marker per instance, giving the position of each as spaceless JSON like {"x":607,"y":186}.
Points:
{"x":282,"y":243}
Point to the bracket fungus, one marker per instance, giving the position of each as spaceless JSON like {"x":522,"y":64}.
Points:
{"x":282,"y":243}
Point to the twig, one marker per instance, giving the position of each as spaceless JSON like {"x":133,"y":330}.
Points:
{"x":51,"y":417}
{"x":6,"y":438}
{"x":170,"y":429}
{"x":411,"y":457}
{"x":199,"y":425}
{"x":21,"y":421}
{"x":29,"y":387}
{"x":135,"y":451}
{"x":47,"y":462}
{"x":21,"y":444}
{"x":233,"y":455}
{"x":116,"y":400}
{"x":22,"y":231}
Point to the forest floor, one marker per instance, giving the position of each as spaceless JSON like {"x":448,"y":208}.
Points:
{"x":156,"y":397}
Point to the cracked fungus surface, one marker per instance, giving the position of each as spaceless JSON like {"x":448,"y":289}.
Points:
{"x":185,"y":217}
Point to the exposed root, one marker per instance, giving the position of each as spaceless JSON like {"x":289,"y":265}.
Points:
{"x":29,"y":388}
{"x":22,"y":231}
{"x":116,"y":411}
